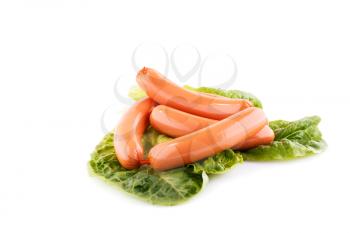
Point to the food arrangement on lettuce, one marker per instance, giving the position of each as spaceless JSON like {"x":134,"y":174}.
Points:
{"x":172,"y":139}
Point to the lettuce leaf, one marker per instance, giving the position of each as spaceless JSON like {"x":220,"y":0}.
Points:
{"x":152,"y":137}
{"x":158,"y":187}
{"x":136,"y":93}
{"x":293,"y":139}
{"x":163,"y":188}
{"x":234,"y":94}
{"x":218,"y":164}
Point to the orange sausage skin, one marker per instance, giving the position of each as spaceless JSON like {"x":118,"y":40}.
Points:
{"x":165,"y":92}
{"x":264,"y":137}
{"x":208,"y":141}
{"x":176,"y":123}
{"x":129,"y":131}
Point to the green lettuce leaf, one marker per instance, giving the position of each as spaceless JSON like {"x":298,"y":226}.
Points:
{"x":234,"y":94}
{"x":163,"y":188}
{"x":158,"y":187}
{"x":219,"y":163}
{"x":152,"y":137}
{"x":136,"y":93}
{"x":293,"y":139}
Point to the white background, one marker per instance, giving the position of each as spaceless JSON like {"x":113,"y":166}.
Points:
{"x":59,"y":61}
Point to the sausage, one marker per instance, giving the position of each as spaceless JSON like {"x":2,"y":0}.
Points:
{"x":165,"y":92}
{"x":176,"y":123}
{"x":264,"y":137}
{"x":129,"y":131}
{"x":208,"y":141}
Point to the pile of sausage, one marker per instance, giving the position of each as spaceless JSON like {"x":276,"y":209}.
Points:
{"x":201,"y":124}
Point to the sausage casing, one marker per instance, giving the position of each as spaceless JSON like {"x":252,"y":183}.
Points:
{"x":208,"y":141}
{"x":129,"y":131}
{"x":165,"y":92}
{"x":176,"y":123}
